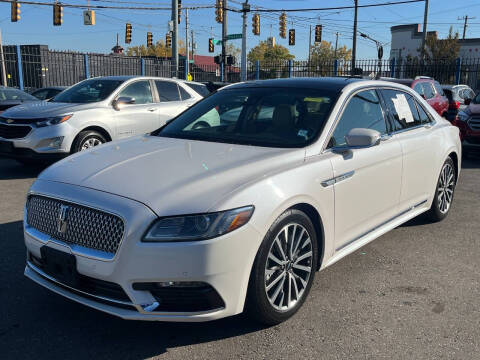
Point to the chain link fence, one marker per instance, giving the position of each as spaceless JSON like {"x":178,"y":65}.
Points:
{"x":41,"y":67}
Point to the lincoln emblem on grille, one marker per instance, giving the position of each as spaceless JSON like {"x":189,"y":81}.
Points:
{"x":62,"y":218}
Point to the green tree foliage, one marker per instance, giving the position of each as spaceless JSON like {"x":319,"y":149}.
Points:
{"x":266,"y":53}
{"x":233,"y":50}
{"x":158,"y":49}
{"x":324,"y":52}
{"x":442,"y":49}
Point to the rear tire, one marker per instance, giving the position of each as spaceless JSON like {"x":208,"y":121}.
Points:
{"x":444,"y":192}
{"x":283,"y":270}
{"x":87,"y":139}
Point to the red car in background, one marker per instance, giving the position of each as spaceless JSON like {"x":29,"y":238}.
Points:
{"x":468,"y":121}
{"x":430,"y":90}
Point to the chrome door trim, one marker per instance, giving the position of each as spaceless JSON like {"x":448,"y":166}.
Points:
{"x":381,"y":225}
{"x":337,"y":179}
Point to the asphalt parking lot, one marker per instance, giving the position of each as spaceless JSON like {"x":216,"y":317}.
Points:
{"x":414,"y":293}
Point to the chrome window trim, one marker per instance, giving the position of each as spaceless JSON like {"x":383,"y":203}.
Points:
{"x":91,"y":253}
{"x":52,"y":279}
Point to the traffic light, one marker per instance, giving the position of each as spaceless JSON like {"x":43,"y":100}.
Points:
{"x":283,"y":25}
{"x":217,"y":59}
{"x":57,"y":14}
{"x":256,"y":24}
{"x":291,"y":37}
{"x":168,"y":40}
{"x":318,"y":33}
{"x":128,"y":33}
{"x":179,"y":10}
{"x":211,"y":47}
{"x":15,"y":11}
{"x":149,"y":39}
{"x":219,"y":11}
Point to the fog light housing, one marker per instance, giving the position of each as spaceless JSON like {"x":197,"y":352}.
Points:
{"x":54,"y":143}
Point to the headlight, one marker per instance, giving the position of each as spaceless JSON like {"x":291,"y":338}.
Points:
{"x":198,"y":227}
{"x":463,"y":115}
{"x":53,"y":120}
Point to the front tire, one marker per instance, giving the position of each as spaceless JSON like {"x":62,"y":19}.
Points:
{"x":284,"y":269}
{"x":87,"y":139}
{"x":444,"y":191}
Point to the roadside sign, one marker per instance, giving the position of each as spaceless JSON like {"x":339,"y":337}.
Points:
{"x":234,"y":36}
{"x":217,"y":42}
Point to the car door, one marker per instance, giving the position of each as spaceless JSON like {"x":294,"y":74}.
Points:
{"x":140,"y":117}
{"x":170,"y":102}
{"x":366,"y":181}
{"x":412,"y":127}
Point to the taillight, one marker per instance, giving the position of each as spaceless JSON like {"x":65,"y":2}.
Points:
{"x":455,"y":105}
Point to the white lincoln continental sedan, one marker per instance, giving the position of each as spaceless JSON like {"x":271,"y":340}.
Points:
{"x":237,"y":202}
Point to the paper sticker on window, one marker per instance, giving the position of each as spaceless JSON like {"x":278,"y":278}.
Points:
{"x":402,"y":108}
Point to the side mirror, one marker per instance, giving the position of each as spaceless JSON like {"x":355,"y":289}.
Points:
{"x":467,"y":101}
{"x":362,"y":138}
{"x":123,"y":100}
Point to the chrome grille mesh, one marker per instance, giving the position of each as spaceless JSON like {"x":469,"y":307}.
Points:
{"x":86,"y":227}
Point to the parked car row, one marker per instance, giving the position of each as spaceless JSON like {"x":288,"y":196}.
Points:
{"x":91,"y":113}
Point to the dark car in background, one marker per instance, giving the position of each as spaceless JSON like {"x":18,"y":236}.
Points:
{"x":457,"y":94}
{"x":468,"y":121}
{"x":48,"y":93}
{"x":430,"y":90}
{"x":10,"y":97}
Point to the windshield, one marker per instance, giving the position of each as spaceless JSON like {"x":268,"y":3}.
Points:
{"x":14,"y":94}
{"x":88,"y":91}
{"x":275,"y":117}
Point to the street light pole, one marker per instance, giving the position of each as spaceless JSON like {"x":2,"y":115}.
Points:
{"x":379,"y":53}
{"x":354,"y":47}
{"x":224,"y":39}
{"x":424,"y":35}
{"x":175,"y":36}
{"x":245,"y":10}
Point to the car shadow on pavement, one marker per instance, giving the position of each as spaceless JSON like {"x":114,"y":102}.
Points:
{"x":11,"y":170}
{"x":36,"y":323}
{"x":473,"y":162}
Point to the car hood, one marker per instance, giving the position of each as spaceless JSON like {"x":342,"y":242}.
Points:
{"x":171,"y":176}
{"x":42,"y":109}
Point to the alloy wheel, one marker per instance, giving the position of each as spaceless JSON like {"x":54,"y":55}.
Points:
{"x":89,"y":143}
{"x":446,"y":185}
{"x":288,"y":267}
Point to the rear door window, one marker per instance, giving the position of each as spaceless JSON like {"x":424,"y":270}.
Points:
{"x":167,"y":91}
{"x":428,"y":90}
{"x":419,"y":88}
{"x":199,"y":88}
{"x":402,"y":109}
{"x":183,"y":93}
{"x":438,"y":88}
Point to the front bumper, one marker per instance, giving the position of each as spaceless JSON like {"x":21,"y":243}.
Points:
{"x":223,"y":263}
{"x":36,"y":144}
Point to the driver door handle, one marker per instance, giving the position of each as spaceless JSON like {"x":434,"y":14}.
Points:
{"x":152,"y":109}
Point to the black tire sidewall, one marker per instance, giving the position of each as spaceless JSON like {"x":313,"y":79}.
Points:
{"x":85,"y":135}
{"x":435,"y":213}
{"x":258,"y":304}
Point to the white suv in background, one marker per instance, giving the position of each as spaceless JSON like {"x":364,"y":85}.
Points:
{"x":93,"y":112}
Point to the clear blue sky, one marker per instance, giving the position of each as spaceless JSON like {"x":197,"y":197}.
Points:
{"x":35,"y":26}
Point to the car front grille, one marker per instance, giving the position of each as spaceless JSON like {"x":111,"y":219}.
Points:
{"x":475,"y":123}
{"x":14,"y":132}
{"x":83,"y":226}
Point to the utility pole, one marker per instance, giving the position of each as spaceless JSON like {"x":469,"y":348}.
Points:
{"x":4,"y":74}
{"x":245,"y":10}
{"x":336,"y":45}
{"x":187,"y":63}
{"x":310,"y":45}
{"x":193,"y":45}
{"x":424,"y":35}
{"x":175,"y":37}
{"x":354,"y":47}
{"x":465,"y":25}
{"x":224,"y":39}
